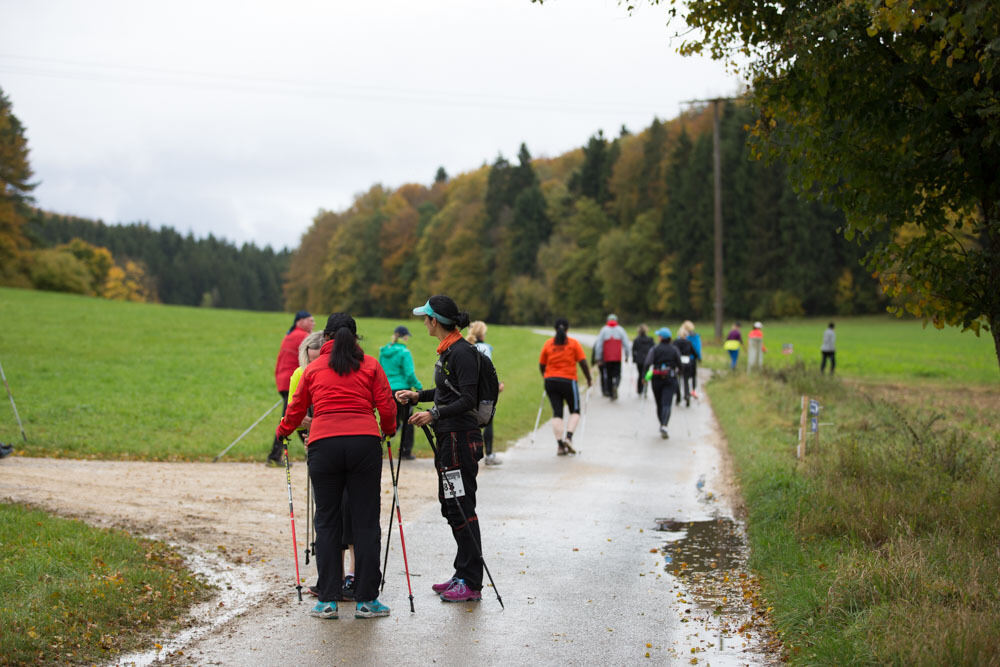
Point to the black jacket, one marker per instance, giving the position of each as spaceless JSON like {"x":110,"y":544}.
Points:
{"x":685,"y":347}
{"x":456,"y":380}
{"x":640,"y":348}
{"x":665,"y":360}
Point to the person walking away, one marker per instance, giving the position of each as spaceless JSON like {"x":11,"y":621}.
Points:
{"x":734,"y":341}
{"x":460,"y":442}
{"x":345,"y":387}
{"x":663,"y":363}
{"x":287,"y":362}
{"x":829,"y":349}
{"x":557,"y":363}
{"x":397,"y":362}
{"x":309,"y":351}
{"x":686,"y":349}
{"x":611,"y":346}
{"x":477,"y":336}
{"x":756,"y":348}
{"x":641,"y":345}
{"x":687,"y":331}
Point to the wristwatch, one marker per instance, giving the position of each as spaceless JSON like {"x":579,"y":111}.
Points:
{"x":434,"y":413}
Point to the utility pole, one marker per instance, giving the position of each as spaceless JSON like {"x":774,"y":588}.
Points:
{"x":717,"y":169}
{"x":719,"y":278}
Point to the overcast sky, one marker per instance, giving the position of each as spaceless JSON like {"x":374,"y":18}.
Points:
{"x":244,"y":118}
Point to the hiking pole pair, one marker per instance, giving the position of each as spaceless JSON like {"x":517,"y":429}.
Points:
{"x":291,"y":516}
{"x":394,"y":473}
{"x":538,"y":417}
{"x":448,"y":487}
{"x":223,"y":452}
{"x":11,"y":397}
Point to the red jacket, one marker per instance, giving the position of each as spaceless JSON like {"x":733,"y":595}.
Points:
{"x":288,"y":357}
{"x":342,"y":404}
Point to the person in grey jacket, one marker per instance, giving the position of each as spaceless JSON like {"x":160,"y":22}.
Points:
{"x":610,"y":349}
{"x":829,"y":349}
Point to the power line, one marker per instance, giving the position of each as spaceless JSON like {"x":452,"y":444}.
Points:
{"x":113,"y":73}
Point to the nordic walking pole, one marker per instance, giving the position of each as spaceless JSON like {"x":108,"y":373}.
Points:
{"x":538,"y":417}
{"x":446,"y":486}
{"x":399,"y":521}
{"x":291,"y":516}
{"x":309,"y":505}
{"x":11,"y":397}
{"x":392,"y":509}
{"x":223,"y":452}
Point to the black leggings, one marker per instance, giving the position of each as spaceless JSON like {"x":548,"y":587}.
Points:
{"x":461,"y":451}
{"x":352,"y":462}
{"x":561,"y":390}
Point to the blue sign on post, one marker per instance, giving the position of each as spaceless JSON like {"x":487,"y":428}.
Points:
{"x":813,"y":406}
{"x":814,"y":424}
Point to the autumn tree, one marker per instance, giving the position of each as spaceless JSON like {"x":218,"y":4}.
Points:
{"x":888,"y":110}
{"x":15,"y":189}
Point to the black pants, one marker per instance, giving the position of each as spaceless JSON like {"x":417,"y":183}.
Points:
{"x":353,"y":462}
{"x":488,"y":437}
{"x":664,"y":388}
{"x":832,"y":356}
{"x":405,"y":430}
{"x":611,"y":375}
{"x":640,"y":383}
{"x":462,"y":451}
{"x":686,"y":384}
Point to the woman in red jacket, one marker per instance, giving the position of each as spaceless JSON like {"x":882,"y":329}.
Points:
{"x":345,"y":386}
{"x":288,"y":361}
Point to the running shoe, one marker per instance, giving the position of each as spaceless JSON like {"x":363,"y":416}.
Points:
{"x":492,"y":460}
{"x":443,"y":586}
{"x":562,"y":451}
{"x":324,"y":610}
{"x":313,"y":591}
{"x":460,"y":592}
{"x":663,"y":432}
{"x":370,"y":609}
{"x":347,"y":592}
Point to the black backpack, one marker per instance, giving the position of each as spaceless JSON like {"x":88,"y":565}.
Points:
{"x":487,"y":390}
{"x":487,"y":387}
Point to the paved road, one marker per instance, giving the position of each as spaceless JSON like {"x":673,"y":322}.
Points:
{"x":573,"y":548}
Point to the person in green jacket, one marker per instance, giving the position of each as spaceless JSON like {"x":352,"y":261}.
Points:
{"x":397,"y":362}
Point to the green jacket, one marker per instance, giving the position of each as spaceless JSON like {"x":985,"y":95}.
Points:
{"x":397,"y":362}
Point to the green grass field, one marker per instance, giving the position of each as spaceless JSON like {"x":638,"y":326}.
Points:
{"x":95,"y":378}
{"x":73,"y":594}
{"x":105,"y":379}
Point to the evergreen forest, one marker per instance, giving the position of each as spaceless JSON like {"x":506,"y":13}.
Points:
{"x":167,"y":266}
{"x":622,"y":225}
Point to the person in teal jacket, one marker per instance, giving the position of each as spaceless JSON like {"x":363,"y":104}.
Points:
{"x":397,"y":362}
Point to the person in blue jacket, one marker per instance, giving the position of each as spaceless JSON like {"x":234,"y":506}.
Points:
{"x":397,"y":362}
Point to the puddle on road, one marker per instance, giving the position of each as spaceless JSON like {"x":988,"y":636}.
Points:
{"x":715,"y":593}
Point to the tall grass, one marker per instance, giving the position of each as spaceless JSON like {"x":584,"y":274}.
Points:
{"x":881,"y":546}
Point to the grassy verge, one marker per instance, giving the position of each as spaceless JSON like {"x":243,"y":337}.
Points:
{"x":70,"y":593}
{"x":881,"y":546}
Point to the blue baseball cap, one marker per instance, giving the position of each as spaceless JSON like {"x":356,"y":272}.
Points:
{"x":663,"y":332}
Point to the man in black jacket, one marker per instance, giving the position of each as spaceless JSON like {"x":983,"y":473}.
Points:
{"x":665,"y":362}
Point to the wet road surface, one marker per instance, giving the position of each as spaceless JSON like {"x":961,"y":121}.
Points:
{"x":587,"y":573}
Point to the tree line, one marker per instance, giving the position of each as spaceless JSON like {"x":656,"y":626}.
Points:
{"x":170,"y":267}
{"x":621,"y":225}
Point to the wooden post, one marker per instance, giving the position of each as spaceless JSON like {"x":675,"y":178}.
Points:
{"x":717,"y":178}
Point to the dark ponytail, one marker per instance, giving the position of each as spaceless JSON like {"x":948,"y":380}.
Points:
{"x":562,"y":324}
{"x":346,"y":355}
{"x":446,"y":307}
